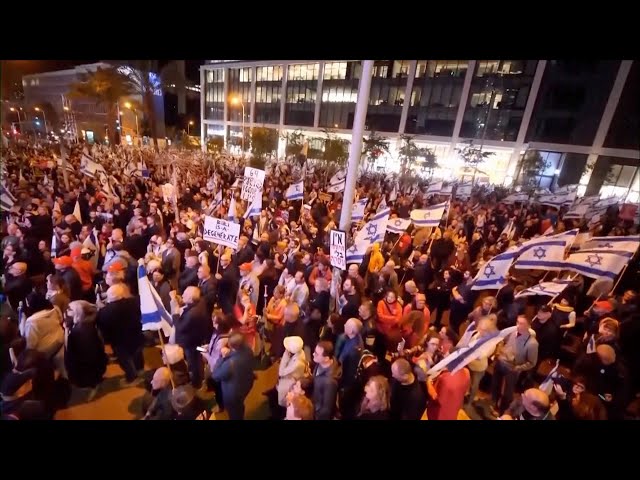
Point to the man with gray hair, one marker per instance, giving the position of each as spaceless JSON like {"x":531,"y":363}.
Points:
{"x":192,"y":325}
{"x":349,"y":347}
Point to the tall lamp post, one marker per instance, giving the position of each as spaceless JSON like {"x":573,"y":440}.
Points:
{"x":189,"y":127}
{"x":236,"y":101}
{"x":19,"y":121}
{"x":37,"y":109}
{"x":135,"y":112}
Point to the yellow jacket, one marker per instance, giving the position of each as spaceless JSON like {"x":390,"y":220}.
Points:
{"x":376,"y":262}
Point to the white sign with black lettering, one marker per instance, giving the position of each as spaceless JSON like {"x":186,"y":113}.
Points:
{"x":338,"y":249}
{"x":252,"y":183}
{"x":221,"y":232}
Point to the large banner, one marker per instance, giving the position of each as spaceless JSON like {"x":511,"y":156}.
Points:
{"x":252,"y":184}
{"x":221,"y":232}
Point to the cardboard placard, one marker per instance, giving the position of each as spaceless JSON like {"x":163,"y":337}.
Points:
{"x":252,"y":183}
{"x":338,"y":249}
{"x":221,"y":232}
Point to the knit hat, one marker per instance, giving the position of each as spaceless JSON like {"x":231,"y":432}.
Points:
{"x":246,"y":267}
{"x":293,"y":344}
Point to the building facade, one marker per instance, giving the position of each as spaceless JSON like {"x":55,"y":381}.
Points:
{"x":48,"y":92}
{"x":580,"y":116}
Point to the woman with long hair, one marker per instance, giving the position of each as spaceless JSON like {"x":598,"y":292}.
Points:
{"x":245,"y":313}
{"x":578,"y":404}
{"x":377,"y":395}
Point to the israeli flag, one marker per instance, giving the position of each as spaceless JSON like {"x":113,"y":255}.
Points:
{"x":398,"y":225}
{"x":607,"y":202}
{"x":255,"y":208}
{"x":394,"y":194}
{"x":629,"y":243}
{"x":591,"y":200}
{"x":295,"y":191}
{"x":447,"y":190}
{"x":493,"y":274}
{"x":516,"y":197}
{"x":547,"y":384}
{"x":467,"y":335}
{"x":339,"y":177}
{"x":557,"y":201}
{"x":154,"y":315}
{"x":578,"y":212}
{"x":7,"y":199}
{"x":358,"y":210}
{"x":434,"y":188}
{"x":545,"y":253}
{"x":375,"y":229}
{"x":383,"y":205}
{"x":549,"y":289}
{"x":356,"y":253}
{"x":509,"y":229}
{"x":232,"y":215}
{"x":591,"y":346}
{"x":480,"y":347}
{"x":597,"y":263}
{"x":338,"y":187}
{"x":92,"y":243}
{"x":76,"y":212}
{"x":54,"y":245}
{"x":430,"y":216}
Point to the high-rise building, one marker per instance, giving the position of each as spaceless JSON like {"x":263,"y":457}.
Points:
{"x":581,"y":117}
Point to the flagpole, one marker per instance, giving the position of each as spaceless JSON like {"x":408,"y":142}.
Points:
{"x":65,"y":174}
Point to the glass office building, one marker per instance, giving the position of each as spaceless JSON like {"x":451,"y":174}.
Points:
{"x":580,"y":116}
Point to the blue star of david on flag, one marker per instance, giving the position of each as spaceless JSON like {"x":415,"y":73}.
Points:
{"x":489,"y":270}
{"x":539,"y":252}
{"x":353,"y":249}
{"x":398,"y":223}
{"x":372,"y":229}
{"x":605,"y":245}
{"x":594,"y":259}
{"x":539,"y":287}
{"x":427,"y":214}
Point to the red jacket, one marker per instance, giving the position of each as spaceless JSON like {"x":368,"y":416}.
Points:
{"x":389,"y":317}
{"x":450,"y":390}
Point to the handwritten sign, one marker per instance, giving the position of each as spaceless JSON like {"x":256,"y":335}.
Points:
{"x":337,"y":249}
{"x":252,"y":184}
{"x":221,"y":232}
{"x":325,"y":197}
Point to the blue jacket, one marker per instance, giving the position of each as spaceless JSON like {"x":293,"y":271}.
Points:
{"x":348,"y":351}
{"x":235,"y":374}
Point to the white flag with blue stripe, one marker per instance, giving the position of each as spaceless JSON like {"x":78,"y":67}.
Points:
{"x":464,"y":190}
{"x":430,"y":216}
{"x":628,"y":243}
{"x":339,"y":177}
{"x":597,"y":263}
{"x":398,"y":225}
{"x":547,"y":384}
{"x":232,"y":215}
{"x":7,"y":199}
{"x":375,"y":229}
{"x":295,"y":191}
{"x":546,"y":252}
{"x":566,"y":189}
{"x":608,"y":202}
{"x":577,"y":212}
{"x":434,"y":188}
{"x":480,"y":347}
{"x":516,"y":197}
{"x":338,"y":187}
{"x":557,"y":201}
{"x":591,"y":200}
{"x":549,"y":289}
{"x":357,"y":251}
{"x":382,"y":205}
{"x":154,"y":315}
{"x":493,"y":274}
{"x":393,"y":196}
{"x":357,"y":213}
{"x":255,"y":208}
{"x":591,"y":345}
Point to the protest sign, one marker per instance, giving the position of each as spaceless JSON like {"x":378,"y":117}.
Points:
{"x":337,"y":249}
{"x":252,"y":184}
{"x":221,"y":232}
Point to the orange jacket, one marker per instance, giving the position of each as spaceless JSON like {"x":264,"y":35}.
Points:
{"x":389,"y":317}
{"x":85,"y":272}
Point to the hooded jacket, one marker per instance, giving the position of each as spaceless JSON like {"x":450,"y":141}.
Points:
{"x":325,"y":390}
{"x":293,"y":367}
{"x":43,"y":332}
{"x":376,"y":261}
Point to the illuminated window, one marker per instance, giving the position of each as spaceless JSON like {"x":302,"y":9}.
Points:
{"x":400,"y":68}
{"x":504,"y":67}
{"x":339,"y":95}
{"x":335,"y":70}
{"x":303,"y":72}
{"x":245,"y":75}
{"x":269,"y":74}
{"x":380,"y":71}
{"x":421,"y":68}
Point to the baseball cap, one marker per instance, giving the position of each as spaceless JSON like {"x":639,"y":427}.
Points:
{"x":246,"y":267}
{"x":64,"y":261}
{"x":116,"y":266}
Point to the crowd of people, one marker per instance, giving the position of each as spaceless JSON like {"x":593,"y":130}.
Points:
{"x":354,"y":344}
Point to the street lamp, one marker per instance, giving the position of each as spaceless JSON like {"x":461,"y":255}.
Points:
{"x":236,"y":101}
{"x":46,"y":132}
{"x":129,"y":106}
{"x":189,"y":125}
{"x":18,"y":112}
